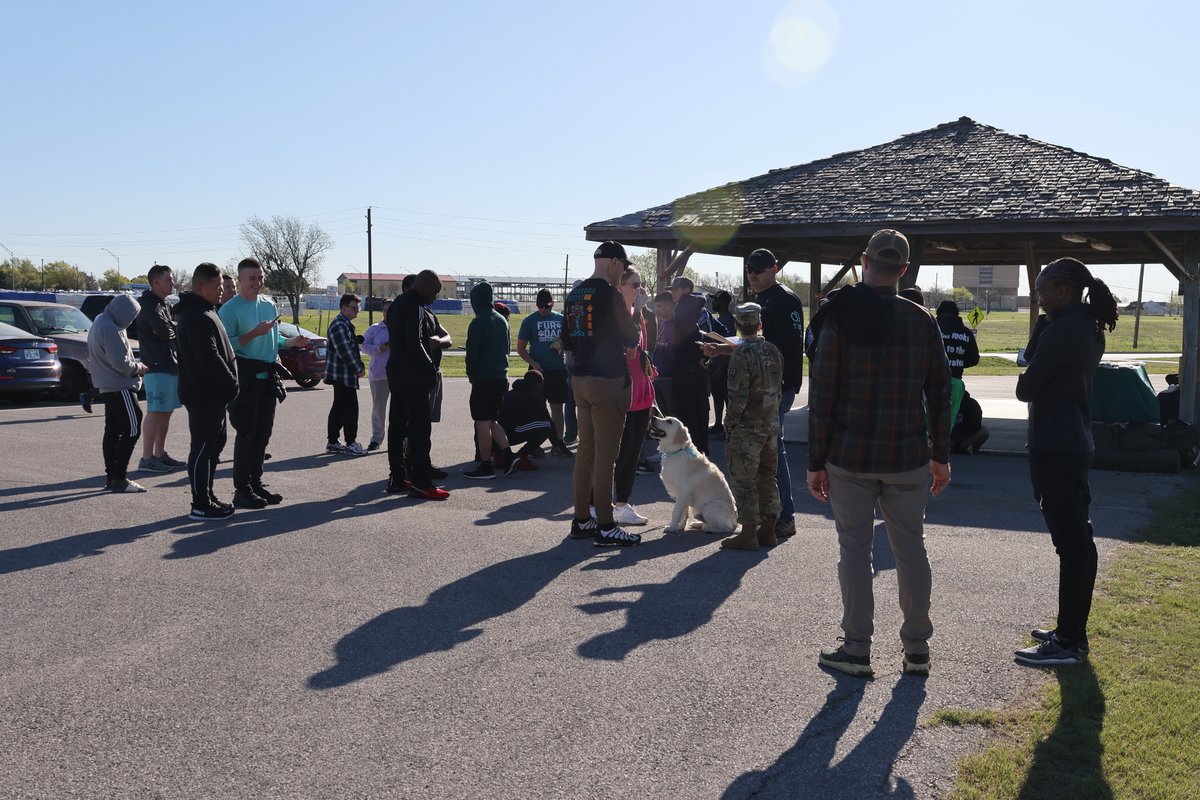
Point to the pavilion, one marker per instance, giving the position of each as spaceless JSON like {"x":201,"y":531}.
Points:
{"x":963,"y":193}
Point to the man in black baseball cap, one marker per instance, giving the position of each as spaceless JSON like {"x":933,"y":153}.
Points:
{"x":611,"y":249}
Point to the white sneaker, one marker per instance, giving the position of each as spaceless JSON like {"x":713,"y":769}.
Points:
{"x":592,"y":511}
{"x":355,"y":449}
{"x":627,"y":515}
{"x":126,"y":487}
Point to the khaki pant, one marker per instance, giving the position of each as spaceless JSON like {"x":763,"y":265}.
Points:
{"x":380,"y":392}
{"x":902,"y":497}
{"x":600,"y":405}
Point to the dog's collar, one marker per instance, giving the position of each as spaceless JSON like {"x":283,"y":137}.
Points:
{"x":689,"y":450}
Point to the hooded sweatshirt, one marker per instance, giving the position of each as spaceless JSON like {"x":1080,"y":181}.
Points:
{"x":113,"y":365}
{"x":524,"y":408}
{"x":207,"y":369}
{"x":487,"y":338}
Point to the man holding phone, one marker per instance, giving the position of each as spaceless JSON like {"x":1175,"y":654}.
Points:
{"x":252,"y":322}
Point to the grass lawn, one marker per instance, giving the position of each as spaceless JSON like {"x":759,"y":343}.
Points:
{"x":1124,"y":724}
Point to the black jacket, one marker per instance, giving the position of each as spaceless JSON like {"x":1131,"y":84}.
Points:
{"x":411,"y":362}
{"x":962,"y":350}
{"x":207,"y":369}
{"x":156,"y":334}
{"x":1058,"y":382}
{"x":783,"y":326}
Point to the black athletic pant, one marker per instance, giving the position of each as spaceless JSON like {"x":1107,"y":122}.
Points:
{"x":253,"y":417}
{"x":409,"y":419}
{"x":122,"y":428}
{"x":397,"y":429}
{"x":689,"y":389}
{"x":206,"y":424}
{"x":1060,"y":485}
{"x":343,"y":414}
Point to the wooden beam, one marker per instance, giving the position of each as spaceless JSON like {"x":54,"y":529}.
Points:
{"x":1032,"y":269}
{"x":1170,"y":260}
{"x":661,"y":264}
{"x":916,"y":254}
{"x":840,"y":274}
{"x":814,"y":281}
{"x":1189,"y":397}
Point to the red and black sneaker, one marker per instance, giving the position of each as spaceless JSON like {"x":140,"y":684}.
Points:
{"x":397,"y":487}
{"x":430,"y":492}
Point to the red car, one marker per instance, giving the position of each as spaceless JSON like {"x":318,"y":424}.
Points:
{"x":307,"y":364}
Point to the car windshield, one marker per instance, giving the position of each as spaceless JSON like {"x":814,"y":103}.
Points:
{"x":289,"y":330}
{"x":59,"y":319}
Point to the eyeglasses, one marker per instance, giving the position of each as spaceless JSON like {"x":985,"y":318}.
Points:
{"x":757,"y":270}
{"x":635,"y":284}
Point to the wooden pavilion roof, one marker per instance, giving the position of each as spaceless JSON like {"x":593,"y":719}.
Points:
{"x":964,"y":193}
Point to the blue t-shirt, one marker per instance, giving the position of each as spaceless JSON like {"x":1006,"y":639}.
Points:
{"x":540,"y":332}
{"x":240,"y":316}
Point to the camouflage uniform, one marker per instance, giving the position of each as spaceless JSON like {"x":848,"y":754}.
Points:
{"x":752,"y":421}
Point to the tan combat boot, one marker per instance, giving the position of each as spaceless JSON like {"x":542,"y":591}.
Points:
{"x":746,"y":540}
{"x":766,"y":533}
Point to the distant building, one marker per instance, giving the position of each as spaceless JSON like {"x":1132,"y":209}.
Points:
{"x":387,"y":284}
{"x":995,"y":288}
{"x":1150,"y":308}
{"x":521,"y":289}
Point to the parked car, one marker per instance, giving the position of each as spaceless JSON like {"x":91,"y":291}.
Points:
{"x":307,"y":364}
{"x":94,"y":304}
{"x":29,"y":364}
{"x":68,"y":327}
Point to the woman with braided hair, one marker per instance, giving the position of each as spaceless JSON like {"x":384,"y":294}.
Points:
{"x":1066,"y":348}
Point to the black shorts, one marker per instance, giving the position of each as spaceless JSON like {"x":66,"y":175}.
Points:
{"x":485,"y":398}
{"x":554,"y":385}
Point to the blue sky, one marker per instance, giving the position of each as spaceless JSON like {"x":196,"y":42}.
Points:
{"x":486,"y":135}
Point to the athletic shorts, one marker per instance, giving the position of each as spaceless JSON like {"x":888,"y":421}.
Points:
{"x":162,"y":392}
{"x":554,"y":385}
{"x":485,"y":398}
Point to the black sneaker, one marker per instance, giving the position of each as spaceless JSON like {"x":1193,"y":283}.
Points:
{"x":584,"y":530}
{"x":372,"y":447}
{"x":248,"y":500}
{"x":484,"y":472}
{"x":616,"y":536}
{"x":85,"y":400}
{"x":397,"y":486}
{"x":644,"y":468}
{"x":837,"y":658}
{"x":440,"y":474}
{"x":272,"y":498}
{"x":213,"y":501}
{"x":916,"y":663}
{"x":1043,"y":635}
{"x":1050,"y":653}
{"x":211,"y":512}
{"x":511,"y":466}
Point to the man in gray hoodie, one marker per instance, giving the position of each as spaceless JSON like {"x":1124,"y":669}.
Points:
{"x":117,"y":376}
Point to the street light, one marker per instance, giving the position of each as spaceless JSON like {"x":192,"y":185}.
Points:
{"x":114,"y":255}
{"x":12,"y":262}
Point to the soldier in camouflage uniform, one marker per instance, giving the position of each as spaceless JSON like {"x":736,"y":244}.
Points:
{"x":755,"y":382}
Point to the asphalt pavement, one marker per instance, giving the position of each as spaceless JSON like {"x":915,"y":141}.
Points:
{"x":353,"y":644}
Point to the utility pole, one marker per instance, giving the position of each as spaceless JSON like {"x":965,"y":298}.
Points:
{"x":12,"y":263}
{"x":370,"y":274}
{"x":566,"y":279}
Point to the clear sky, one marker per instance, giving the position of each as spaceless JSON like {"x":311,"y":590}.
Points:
{"x":486,"y":135}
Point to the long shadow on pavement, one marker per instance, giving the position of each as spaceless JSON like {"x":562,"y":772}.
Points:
{"x":250,"y":526}
{"x":807,"y":769}
{"x":449,"y":617}
{"x":80,"y":545}
{"x":672,"y":609}
{"x":54,"y":493}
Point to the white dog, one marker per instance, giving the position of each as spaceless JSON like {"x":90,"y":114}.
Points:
{"x":692,"y":480}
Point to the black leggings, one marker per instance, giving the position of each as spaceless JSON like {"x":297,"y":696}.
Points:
{"x":636,"y":425}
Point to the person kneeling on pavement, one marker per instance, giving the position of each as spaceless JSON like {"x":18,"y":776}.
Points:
{"x":526,"y":421}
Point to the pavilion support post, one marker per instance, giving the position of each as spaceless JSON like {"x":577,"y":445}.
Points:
{"x":1189,"y":397}
{"x":661,"y":266}
{"x":814,"y":285}
{"x":916,"y":253}
{"x":1032,"y":270}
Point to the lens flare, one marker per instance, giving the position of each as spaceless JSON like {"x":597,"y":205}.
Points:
{"x":709,"y":220}
{"x":801,"y":41}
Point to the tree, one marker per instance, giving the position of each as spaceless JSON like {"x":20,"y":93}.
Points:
{"x":67,"y":277}
{"x":961,"y":294}
{"x":290,"y":253}
{"x":28,"y":277}
{"x":1175,"y":304}
{"x":112,"y":281}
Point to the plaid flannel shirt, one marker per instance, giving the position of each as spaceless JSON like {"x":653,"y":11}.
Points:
{"x":343,"y":362}
{"x":867,"y":405}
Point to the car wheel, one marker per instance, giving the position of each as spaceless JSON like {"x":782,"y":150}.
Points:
{"x":309,"y":382}
{"x":74,"y":382}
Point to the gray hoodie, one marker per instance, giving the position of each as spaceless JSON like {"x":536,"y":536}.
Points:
{"x":113,"y":365}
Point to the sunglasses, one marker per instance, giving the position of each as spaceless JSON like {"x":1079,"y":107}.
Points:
{"x":757,"y":270}
{"x":635,"y":284}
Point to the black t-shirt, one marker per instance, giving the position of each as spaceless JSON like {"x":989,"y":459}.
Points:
{"x":597,"y":328}
{"x":783,"y":326}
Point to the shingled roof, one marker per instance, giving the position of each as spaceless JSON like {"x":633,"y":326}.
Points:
{"x":974,"y":192}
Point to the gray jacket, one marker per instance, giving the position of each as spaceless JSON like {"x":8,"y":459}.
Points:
{"x":113,"y":365}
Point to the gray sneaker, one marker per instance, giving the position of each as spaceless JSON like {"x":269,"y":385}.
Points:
{"x":171,"y":462}
{"x":152,"y":464}
{"x":1050,"y":653}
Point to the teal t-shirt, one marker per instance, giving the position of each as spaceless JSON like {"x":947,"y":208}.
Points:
{"x":540,"y":332}
{"x":240,"y":316}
